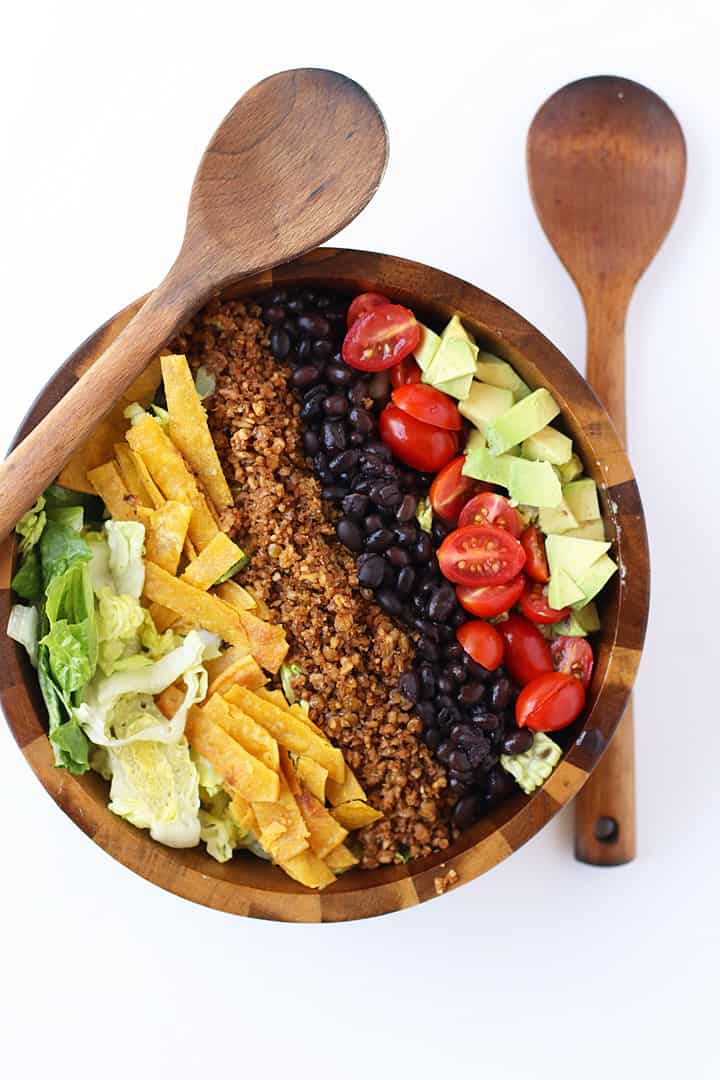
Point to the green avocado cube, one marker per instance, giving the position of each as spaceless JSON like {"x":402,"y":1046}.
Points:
{"x":562,"y":590}
{"x":496,"y":372}
{"x":569,"y":627}
{"x":571,"y":470}
{"x":579,"y":623}
{"x":525,"y":418}
{"x":454,"y":358}
{"x":573,"y":555}
{"x":455,"y":329}
{"x":532,"y":768}
{"x":557,"y":519}
{"x":589,"y":530}
{"x":548,"y":445}
{"x":534,"y":483}
{"x":485,"y":403}
{"x":458,"y":388}
{"x":429,"y":345}
{"x":582,"y":498}
{"x":595,"y":577}
{"x":482,"y":465}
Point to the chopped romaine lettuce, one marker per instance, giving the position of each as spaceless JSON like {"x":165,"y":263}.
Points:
{"x":125,"y":540}
{"x":218,"y":829}
{"x":532,"y":768}
{"x":30,"y":526}
{"x":210,"y":780}
{"x":60,"y":548}
{"x":156,"y":644}
{"x":155,"y":786}
{"x":23,"y":627}
{"x":424,"y":515}
{"x":27,"y":582}
{"x":119,"y":619}
{"x":204,"y":382}
{"x":287,"y":673}
{"x":72,"y":516}
{"x":134,"y":412}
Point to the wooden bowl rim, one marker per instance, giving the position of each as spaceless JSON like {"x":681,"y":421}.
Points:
{"x":256,"y":889}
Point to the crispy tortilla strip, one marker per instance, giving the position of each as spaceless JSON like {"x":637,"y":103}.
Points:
{"x":239,"y":769}
{"x":213,"y":561}
{"x":156,"y":496}
{"x":107,"y":482}
{"x":165,"y":535}
{"x":283,"y":832}
{"x":312,"y":777}
{"x":189,"y":429}
{"x":242,"y":812}
{"x":276,"y":697}
{"x":309,"y":870}
{"x":144,"y":387}
{"x":252,"y":736}
{"x":341,"y":859}
{"x":225,"y":660}
{"x":125,"y":461}
{"x":193,"y":605}
{"x":268,"y":643}
{"x":244,"y":672}
{"x":290,"y":732}
{"x":163,"y":617}
{"x":170,"y":700}
{"x":325,"y":832}
{"x":263,"y":611}
{"x":234,"y":595}
{"x":172,"y":476}
{"x":356,"y":814}
{"x":349,"y":790}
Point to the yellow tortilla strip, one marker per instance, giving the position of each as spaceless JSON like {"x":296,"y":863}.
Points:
{"x":156,"y":496}
{"x":214,"y":560}
{"x":312,"y":777}
{"x":193,"y":605}
{"x":251,"y":736}
{"x":163,"y":617}
{"x":234,"y":595}
{"x":290,"y":732}
{"x":170,"y":700}
{"x":309,"y":870}
{"x":244,"y":672}
{"x":268,"y":643}
{"x":263,"y":611}
{"x":283,"y":832}
{"x":240,"y":770}
{"x":325,"y":832}
{"x":341,"y":859}
{"x":189,"y":429}
{"x":165,"y":534}
{"x":125,"y":461}
{"x":107,"y":482}
{"x":356,"y":814}
{"x":348,"y":790}
{"x":172,"y":476}
{"x":276,"y":697}
{"x":242,"y":812}
{"x":226,"y":659}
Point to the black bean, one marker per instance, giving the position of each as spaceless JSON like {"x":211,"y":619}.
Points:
{"x":355,"y":505}
{"x":279,"y":296}
{"x":333,"y":435}
{"x":425,"y":709}
{"x":390,"y":496}
{"x":279,"y":343}
{"x":311,"y":443}
{"x":373,"y":522}
{"x":304,"y":350}
{"x":361,"y":420}
{"x":315,"y":393}
{"x":389,"y":601}
{"x":517,"y":742}
{"x":428,"y":649}
{"x":398,"y":557}
{"x":442,"y":603}
{"x":405,"y":580}
{"x":423,"y":548}
{"x":446,"y":633}
{"x":343,"y":462}
{"x":314,"y":325}
{"x":457,"y":671}
{"x":312,"y":408}
{"x":432,"y":738}
{"x":379,"y":386}
{"x":340,"y":375}
{"x":349,"y":534}
{"x":379,"y":448}
{"x":457,"y":618}
{"x":372,"y":572}
{"x":380,"y":540}
{"x":334,"y":492}
{"x":357,"y":440}
{"x":296,"y":305}
{"x":305,"y":376}
{"x":440,"y":529}
{"x":446,"y":685}
{"x":359,"y":390}
{"x":291,"y":329}
{"x":443,"y":752}
{"x":409,"y":686}
{"x":406,"y":535}
{"x":472,"y":693}
{"x":424,"y":627}
{"x":477,"y":671}
{"x":309,"y":296}
{"x":500,"y":694}
{"x":427,"y":679}
{"x":406,"y":509}
{"x":484,"y":720}
{"x":274,"y":314}
{"x":466,"y":811}
{"x":499,"y":784}
{"x":322,"y":349}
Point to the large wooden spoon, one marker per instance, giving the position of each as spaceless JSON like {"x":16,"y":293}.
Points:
{"x":606,"y":162}
{"x":296,"y":159}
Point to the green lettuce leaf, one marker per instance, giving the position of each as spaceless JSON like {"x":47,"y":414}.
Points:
{"x":119,"y":620}
{"x":28,"y":582}
{"x":60,"y":548}
{"x":71,"y":753}
{"x":155,"y":786}
{"x":218,"y":829}
{"x":57,"y":497}
{"x":70,"y":743}
{"x":72,"y":516}
{"x":234,"y":569}
{"x":125,"y":541}
{"x":205,"y":382}
{"x":23,"y":627}
{"x":69,"y":655}
{"x":30,"y":526}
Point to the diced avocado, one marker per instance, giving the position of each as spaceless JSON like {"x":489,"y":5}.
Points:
{"x":534,"y":483}
{"x":475,"y":441}
{"x":532,"y":768}
{"x":482,"y":465}
{"x":571,"y":470}
{"x":485,"y":403}
{"x":455,"y":329}
{"x":589,"y":530}
{"x":569,"y":627}
{"x":454,"y":358}
{"x":573,"y":555}
{"x":491,"y":369}
{"x":595,"y":577}
{"x":562,"y":590}
{"x":458,"y":388}
{"x":588,"y":617}
{"x":429,"y":345}
{"x":527,"y":514}
{"x":581,"y":496}
{"x":525,"y":418}
{"x":557,"y":519}
{"x":548,"y":445}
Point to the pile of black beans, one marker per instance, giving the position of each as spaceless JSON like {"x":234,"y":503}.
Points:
{"x":466,"y":710}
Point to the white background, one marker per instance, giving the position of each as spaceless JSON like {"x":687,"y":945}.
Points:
{"x":544,"y":967}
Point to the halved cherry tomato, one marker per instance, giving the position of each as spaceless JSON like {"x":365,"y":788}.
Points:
{"x":450,"y":490}
{"x":535,"y":607}
{"x":429,"y":405}
{"x":550,"y":702}
{"x":573,"y":656}
{"x":406,"y":373}
{"x":527,"y":653}
{"x":363,"y":303}
{"x":480,"y":555}
{"x":381,"y":338}
{"x":491,"y":509}
{"x":482,"y":642}
{"x":536,"y":565}
{"x":421,"y":446}
{"x":490,"y":600}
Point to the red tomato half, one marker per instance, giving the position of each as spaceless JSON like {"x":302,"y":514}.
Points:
{"x":406,"y":373}
{"x":482,"y":642}
{"x":550,"y":702}
{"x":421,"y":446}
{"x":536,"y":566}
{"x":527,"y":653}
{"x":363,"y":303}
{"x":480,"y":555}
{"x":486,"y":601}
{"x":573,"y":656}
{"x":491,"y":509}
{"x":535,"y":607}
{"x":381,"y":338}
{"x":450,"y":490}
{"x":429,"y":405}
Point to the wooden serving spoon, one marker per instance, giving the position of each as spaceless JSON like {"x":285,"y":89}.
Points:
{"x":296,"y":159}
{"x":606,"y":163}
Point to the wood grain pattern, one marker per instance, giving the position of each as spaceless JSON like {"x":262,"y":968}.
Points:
{"x":251,"y":887}
{"x":606,"y":163}
{"x":279,"y":177}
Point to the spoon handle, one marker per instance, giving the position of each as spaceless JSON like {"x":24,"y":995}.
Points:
{"x":35,"y":463}
{"x":605,"y":805}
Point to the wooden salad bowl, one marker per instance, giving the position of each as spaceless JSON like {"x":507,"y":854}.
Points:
{"x":251,"y":886}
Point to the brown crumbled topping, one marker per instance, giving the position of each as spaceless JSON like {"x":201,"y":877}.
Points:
{"x":350,"y":652}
